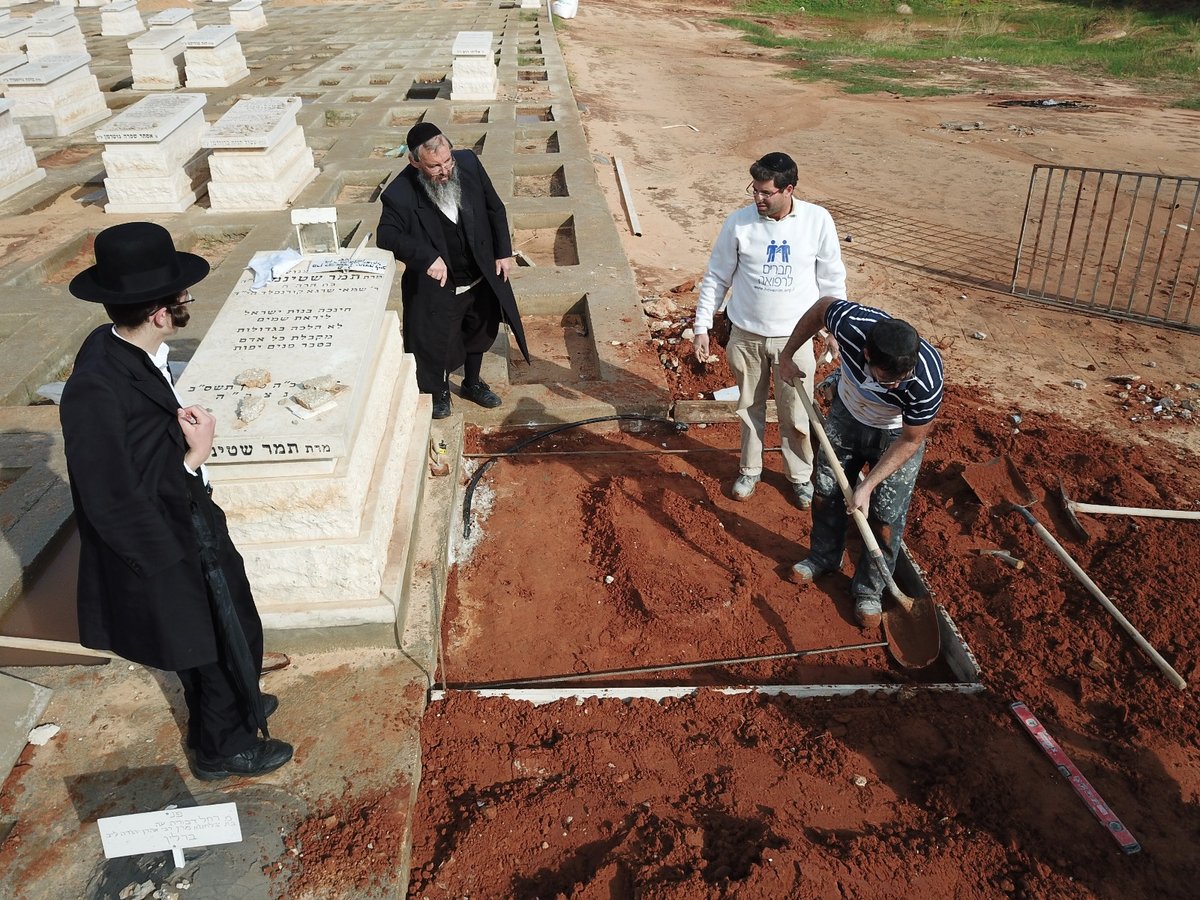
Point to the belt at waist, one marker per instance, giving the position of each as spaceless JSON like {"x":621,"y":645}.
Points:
{"x":463,"y":288}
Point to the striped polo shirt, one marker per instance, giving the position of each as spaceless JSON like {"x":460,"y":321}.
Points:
{"x":913,"y":402}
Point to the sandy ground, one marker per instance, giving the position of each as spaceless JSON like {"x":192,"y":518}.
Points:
{"x":883,"y":153}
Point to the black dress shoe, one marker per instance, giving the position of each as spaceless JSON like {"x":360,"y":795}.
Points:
{"x":265,"y":756}
{"x":270,"y":703}
{"x":480,"y":393}
{"x":441,"y":405}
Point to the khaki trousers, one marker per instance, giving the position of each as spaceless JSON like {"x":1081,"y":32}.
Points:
{"x":753,"y":359}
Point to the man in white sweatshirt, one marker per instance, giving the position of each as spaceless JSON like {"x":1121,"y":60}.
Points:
{"x":775,"y":259}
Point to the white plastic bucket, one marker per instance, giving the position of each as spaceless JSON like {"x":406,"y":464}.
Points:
{"x":565,"y":9}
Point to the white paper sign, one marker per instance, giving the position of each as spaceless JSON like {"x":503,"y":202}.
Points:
{"x":170,"y":829}
{"x":346,"y":264}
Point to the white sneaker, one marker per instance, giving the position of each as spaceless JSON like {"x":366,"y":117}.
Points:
{"x":744,"y":486}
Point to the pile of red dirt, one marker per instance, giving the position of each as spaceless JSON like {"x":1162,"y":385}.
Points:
{"x":600,"y":560}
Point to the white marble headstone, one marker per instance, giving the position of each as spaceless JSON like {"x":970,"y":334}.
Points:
{"x":473,"y":43}
{"x":151,"y":119}
{"x":254,"y":124}
{"x":211,"y":36}
{"x":47,"y":69}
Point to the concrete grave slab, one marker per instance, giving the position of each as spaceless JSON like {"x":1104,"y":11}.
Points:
{"x":214,"y":58}
{"x":120,"y":18}
{"x":157,"y":59}
{"x":54,"y":37}
{"x":178,"y":18}
{"x":55,"y":96}
{"x":18,"y":165}
{"x":247,"y":15}
{"x":21,"y":706}
{"x":12,"y":35}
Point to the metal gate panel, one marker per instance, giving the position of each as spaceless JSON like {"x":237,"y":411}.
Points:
{"x":1111,"y":242}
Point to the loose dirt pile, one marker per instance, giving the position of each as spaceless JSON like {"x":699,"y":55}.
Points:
{"x":756,"y":797}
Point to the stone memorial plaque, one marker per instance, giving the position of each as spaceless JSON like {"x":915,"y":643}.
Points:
{"x":157,"y":39}
{"x":47,"y":69}
{"x":13,"y":27}
{"x":473,"y":43}
{"x":53,"y":13}
{"x":151,"y":119}
{"x":119,"y":6}
{"x":52,"y":28}
{"x":211,"y":36}
{"x":169,"y":18}
{"x":298,"y":328}
{"x":254,"y":124}
{"x":10,"y":61}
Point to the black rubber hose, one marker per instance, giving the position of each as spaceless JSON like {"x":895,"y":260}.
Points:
{"x":534,"y":438}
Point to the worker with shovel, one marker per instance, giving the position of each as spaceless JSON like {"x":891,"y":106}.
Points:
{"x":885,"y":396}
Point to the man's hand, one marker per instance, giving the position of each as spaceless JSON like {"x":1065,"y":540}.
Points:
{"x":199,"y":426}
{"x":700,"y":347}
{"x":438,"y":271}
{"x":789,"y":371}
{"x":832,"y":350}
{"x":861,"y":498}
{"x":502,"y":267}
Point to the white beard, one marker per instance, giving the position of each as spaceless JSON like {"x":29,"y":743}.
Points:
{"x":447,"y":196}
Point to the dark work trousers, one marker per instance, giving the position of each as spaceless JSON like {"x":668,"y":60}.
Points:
{"x":472,"y":323}
{"x":219,"y":718}
{"x":858,"y":446}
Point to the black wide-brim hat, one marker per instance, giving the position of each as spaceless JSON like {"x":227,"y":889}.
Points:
{"x":135,"y":263}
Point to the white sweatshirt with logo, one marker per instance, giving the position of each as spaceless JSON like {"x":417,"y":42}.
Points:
{"x":776,"y":269}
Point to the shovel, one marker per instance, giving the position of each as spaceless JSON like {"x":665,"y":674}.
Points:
{"x":911,"y":626}
{"x":997,"y":483}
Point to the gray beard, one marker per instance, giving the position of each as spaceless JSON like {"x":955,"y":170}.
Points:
{"x":448,"y":194}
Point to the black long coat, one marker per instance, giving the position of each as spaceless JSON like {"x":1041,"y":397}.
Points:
{"x":411,"y":229}
{"x":142,"y":593}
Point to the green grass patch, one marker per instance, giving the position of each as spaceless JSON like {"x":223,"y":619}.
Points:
{"x":854,"y":41}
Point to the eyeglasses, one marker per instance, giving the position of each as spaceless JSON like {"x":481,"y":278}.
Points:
{"x":187,"y":298}
{"x":766,"y":195}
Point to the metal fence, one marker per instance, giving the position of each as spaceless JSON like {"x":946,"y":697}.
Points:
{"x":1115,"y":243}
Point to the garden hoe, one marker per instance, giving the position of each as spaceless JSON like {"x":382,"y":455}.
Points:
{"x":911,"y":625}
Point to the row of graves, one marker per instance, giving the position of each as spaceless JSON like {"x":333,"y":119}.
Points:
{"x":50,"y":92}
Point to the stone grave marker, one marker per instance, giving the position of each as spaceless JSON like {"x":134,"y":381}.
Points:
{"x":214,"y":58}
{"x":152,"y":157}
{"x":156,"y":59}
{"x":55,"y":96}
{"x":179,"y":18}
{"x":260,"y":160}
{"x":12,"y":34}
{"x":55,"y":37}
{"x":18,"y":166}
{"x":474,"y":74}
{"x":120,"y":18}
{"x":247,"y":15}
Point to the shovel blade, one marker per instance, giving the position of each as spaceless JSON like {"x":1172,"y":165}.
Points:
{"x":997,"y":483}
{"x":913,"y":634}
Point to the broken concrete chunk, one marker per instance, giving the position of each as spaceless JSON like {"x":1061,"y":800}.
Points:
{"x":253,"y":378}
{"x":250,"y":408}
{"x":1078,"y":383}
{"x":310,"y":399}
{"x":979,"y":335}
{"x":41,"y":735}
{"x":664,"y":308}
{"x":326,"y":383}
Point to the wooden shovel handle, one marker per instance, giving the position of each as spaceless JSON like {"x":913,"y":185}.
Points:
{"x":1076,"y":506}
{"x":864,"y":527}
{"x":1174,"y":677}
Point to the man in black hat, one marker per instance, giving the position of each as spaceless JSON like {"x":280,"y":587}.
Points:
{"x":142,"y":504}
{"x":443,"y":219}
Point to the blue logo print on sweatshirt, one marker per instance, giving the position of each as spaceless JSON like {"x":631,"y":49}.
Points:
{"x":777,"y":270}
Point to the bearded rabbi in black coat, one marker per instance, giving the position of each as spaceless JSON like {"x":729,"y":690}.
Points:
{"x":143,"y":505}
{"x":443,"y":219}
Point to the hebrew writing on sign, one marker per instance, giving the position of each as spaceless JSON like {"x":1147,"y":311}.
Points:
{"x":286,"y":368}
{"x":169,"y":829}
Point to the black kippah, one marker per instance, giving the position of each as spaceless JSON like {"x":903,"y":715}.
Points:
{"x":420,"y":133}
{"x":773,"y":162}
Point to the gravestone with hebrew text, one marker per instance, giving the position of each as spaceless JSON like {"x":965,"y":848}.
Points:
{"x":120,"y":18}
{"x":18,"y":166}
{"x":474,"y":75}
{"x":55,"y":96}
{"x":55,"y":37}
{"x":247,"y":15}
{"x":316,"y":408}
{"x":260,"y":160}
{"x":214,"y":57}
{"x":156,"y":59}
{"x":152,"y":156}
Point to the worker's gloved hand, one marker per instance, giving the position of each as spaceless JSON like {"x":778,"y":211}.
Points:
{"x":827,"y":387}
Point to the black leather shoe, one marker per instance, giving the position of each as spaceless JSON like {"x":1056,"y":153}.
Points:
{"x":480,"y":393}
{"x":270,"y":703}
{"x":265,"y":756}
{"x":441,"y":405}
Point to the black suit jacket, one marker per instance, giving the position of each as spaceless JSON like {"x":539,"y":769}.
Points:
{"x":141,"y":591}
{"x":410,"y":228}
